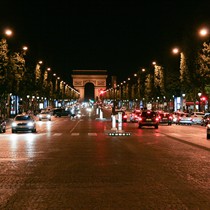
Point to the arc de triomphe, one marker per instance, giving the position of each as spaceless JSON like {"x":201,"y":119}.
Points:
{"x":96,"y":77}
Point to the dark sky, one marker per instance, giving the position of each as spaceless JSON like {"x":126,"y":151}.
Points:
{"x":118,"y":36}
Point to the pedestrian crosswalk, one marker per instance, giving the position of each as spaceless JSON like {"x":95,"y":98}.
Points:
{"x":41,"y":134}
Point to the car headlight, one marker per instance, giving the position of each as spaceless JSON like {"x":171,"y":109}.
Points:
{"x":48,"y":116}
{"x":30,"y":124}
{"x":14,"y":124}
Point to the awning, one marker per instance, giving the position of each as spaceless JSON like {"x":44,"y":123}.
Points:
{"x":189,"y":103}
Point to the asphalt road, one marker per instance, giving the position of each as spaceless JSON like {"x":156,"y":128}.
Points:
{"x":74,"y":164}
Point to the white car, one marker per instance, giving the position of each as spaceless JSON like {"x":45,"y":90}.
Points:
{"x":23,"y":123}
{"x":44,"y":115}
{"x":197,"y":117}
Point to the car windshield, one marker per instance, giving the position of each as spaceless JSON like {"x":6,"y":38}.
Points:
{"x":21,"y":118}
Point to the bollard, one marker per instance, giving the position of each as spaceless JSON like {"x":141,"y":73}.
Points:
{"x":101,"y":114}
{"x":120,"y":121}
{"x":113,"y":123}
{"x":97,"y":110}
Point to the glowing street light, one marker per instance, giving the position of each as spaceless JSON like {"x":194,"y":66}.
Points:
{"x":203,"y":32}
{"x":175,"y":50}
{"x":25,"y":48}
{"x":8,"y":32}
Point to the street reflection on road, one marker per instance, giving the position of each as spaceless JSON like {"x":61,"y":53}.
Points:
{"x":22,"y":143}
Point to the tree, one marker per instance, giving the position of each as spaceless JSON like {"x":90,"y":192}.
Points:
{"x":3,"y":73}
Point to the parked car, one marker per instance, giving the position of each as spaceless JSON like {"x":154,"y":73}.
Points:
{"x":23,"y":122}
{"x":2,"y":125}
{"x":165,"y":118}
{"x":176,"y":115}
{"x":205,"y":120}
{"x":149,"y":118}
{"x":197,"y":117}
{"x":185,"y":119}
{"x":58,"y":112}
{"x":44,"y":115}
{"x":134,"y":116}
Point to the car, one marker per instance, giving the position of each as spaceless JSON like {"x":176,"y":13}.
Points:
{"x":165,"y":118}
{"x":134,"y":116}
{"x":149,"y":118}
{"x":197,"y":117}
{"x":205,"y":120}
{"x":176,"y":116}
{"x":124,"y":116}
{"x":44,"y":115}
{"x":185,"y":119}
{"x":2,"y":125}
{"x":23,"y":122}
{"x":58,"y":112}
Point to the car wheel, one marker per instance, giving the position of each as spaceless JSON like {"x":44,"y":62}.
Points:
{"x":208,"y":136}
{"x":34,"y":131}
{"x":4,"y":130}
{"x":156,"y":126}
{"x":140,"y":126}
{"x":13,"y":131}
{"x":40,"y":119}
{"x":49,"y":119}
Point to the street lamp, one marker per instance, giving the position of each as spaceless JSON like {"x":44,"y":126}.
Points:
{"x":199,"y":105}
{"x":203,"y":32}
{"x":183,"y":102}
{"x":8,"y":32}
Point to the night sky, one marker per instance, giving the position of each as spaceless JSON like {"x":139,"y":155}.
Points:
{"x":118,"y":36}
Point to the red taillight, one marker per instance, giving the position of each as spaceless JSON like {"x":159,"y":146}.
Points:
{"x":140,"y":119}
{"x":125,"y":116}
{"x":157,"y":118}
{"x":170,"y":117}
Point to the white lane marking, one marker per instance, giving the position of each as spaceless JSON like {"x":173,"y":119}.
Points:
{"x":74,"y":126}
{"x":92,"y":134}
{"x":74,"y":134}
{"x":57,"y":134}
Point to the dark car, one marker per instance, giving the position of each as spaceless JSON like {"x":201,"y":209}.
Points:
{"x":149,"y":118}
{"x":2,"y":125}
{"x":60,"y":112}
{"x":205,"y":120}
{"x":165,"y":118}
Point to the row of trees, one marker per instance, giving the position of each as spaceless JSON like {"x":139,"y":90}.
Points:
{"x":188,"y":76}
{"x":20,"y":80}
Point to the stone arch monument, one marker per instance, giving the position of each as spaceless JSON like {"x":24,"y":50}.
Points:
{"x":96,"y":77}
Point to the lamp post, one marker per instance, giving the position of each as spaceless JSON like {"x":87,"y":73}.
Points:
{"x":183,"y":102}
{"x":199,"y":104}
